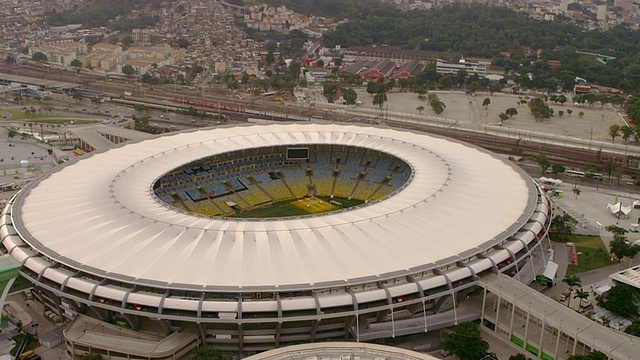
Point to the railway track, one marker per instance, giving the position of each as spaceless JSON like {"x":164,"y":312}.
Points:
{"x":116,"y":86}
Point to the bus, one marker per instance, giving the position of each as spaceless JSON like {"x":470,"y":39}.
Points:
{"x":595,"y":176}
{"x":583,"y":174}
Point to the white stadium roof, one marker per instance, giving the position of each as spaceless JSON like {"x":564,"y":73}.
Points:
{"x":98,"y":215}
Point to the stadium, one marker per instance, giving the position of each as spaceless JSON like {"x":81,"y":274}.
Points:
{"x":261,"y":236}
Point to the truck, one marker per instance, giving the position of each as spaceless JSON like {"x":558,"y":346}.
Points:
{"x":25,"y":355}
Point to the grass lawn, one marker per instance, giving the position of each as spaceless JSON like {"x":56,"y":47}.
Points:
{"x":20,"y":284}
{"x":591,"y":253}
{"x":20,"y":115}
{"x":303,"y":206}
{"x":121,"y":35}
{"x":32,"y":343}
{"x":17,"y":115}
{"x":66,"y":120}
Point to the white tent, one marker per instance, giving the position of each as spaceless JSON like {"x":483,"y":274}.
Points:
{"x":550,"y":272}
{"x":618,"y":209}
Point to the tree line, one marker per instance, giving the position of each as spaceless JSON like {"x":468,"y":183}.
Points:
{"x":488,"y":31}
{"x":101,"y":12}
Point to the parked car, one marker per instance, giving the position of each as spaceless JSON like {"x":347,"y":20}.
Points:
{"x":564,"y":295}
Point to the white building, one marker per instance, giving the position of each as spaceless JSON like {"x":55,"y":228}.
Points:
{"x":445,"y":67}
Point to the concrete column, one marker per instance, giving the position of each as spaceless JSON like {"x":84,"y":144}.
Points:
{"x":513,"y":313}
{"x":203,"y":332}
{"x":498,"y":312}
{"x":278,"y":333}
{"x":526,"y":328}
{"x":166,"y":327}
{"x":555,"y":351}
{"x":314,"y":329}
{"x":541,"y":336}
{"x":484,"y":302}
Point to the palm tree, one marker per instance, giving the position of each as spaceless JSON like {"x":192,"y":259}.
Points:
{"x":581,"y":294}
{"x":576,"y":192}
{"x":572,"y":281}
{"x":614,"y":132}
{"x":627,"y":131}
{"x":420,"y":109}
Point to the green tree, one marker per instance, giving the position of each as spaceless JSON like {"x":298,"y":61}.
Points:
{"x":421,"y":91}
{"x":486,"y":102}
{"x":466,"y":343}
{"x":511,"y":112}
{"x":563,"y":224}
{"x":319,"y":63}
{"x":616,"y":230}
{"x":294,"y":69}
{"x":539,"y":109}
{"x":76,"y":96}
{"x":572,"y":281}
{"x":569,"y":112}
{"x":543,"y":162}
{"x":379,"y":99}
{"x":562,"y":99}
{"x":576,"y":192}
{"x":207,"y":353}
{"x":329,"y":89}
{"x":626,"y":131}
{"x":75,"y":63}
{"x":127,"y":41}
{"x":183,"y":43}
{"x":503,"y":117}
{"x":581,"y":294}
{"x":517,"y":357}
{"x":560,"y":113}
{"x":557,"y":168}
{"x":39,"y":57}
{"x":594,"y":355}
{"x":420,"y":109}
{"x":621,"y":247}
{"x":269,"y":58}
{"x":128,"y":70}
{"x":90,"y":356}
{"x":581,"y":114}
{"x":437,"y":106}
{"x":634,"y":328}
{"x":621,"y":299}
{"x":350,"y":96}
{"x":614,"y":132}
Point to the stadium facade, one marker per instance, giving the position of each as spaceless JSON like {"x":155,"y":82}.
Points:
{"x":124,"y":235}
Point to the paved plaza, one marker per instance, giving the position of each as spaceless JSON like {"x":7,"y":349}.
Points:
{"x":466,"y":111}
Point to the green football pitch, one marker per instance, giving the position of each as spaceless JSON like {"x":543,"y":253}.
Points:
{"x":304,"y":206}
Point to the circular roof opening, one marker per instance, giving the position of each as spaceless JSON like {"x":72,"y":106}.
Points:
{"x":283,"y":181}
